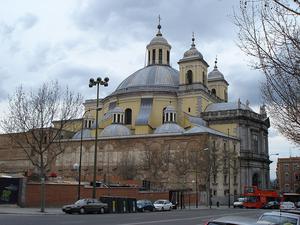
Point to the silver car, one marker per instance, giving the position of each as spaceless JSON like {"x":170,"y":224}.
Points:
{"x":281,"y":218}
{"x":236,"y":220}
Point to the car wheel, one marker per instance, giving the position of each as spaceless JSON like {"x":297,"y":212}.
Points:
{"x":101,"y":210}
{"x":82,"y":211}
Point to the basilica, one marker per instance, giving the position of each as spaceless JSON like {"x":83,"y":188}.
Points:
{"x":172,"y":129}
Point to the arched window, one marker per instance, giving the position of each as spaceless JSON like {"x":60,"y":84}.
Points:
{"x":213,"y":91}
{"x":128,"y":116}
{"x":189,"y":77}
{"x":168,"y":57}
{"x":160,"y":56}
{"x":163,"y":115}
{"x":153,"y":56}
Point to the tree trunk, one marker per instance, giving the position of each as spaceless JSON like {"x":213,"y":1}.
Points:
{"x":42,"y":176}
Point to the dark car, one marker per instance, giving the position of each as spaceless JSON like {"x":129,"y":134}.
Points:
{"x":271,"y":205}
{"x":145,"y":205}
{"x":88,"y":205}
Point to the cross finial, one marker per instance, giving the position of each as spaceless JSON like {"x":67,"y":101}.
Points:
{"x":193,"y":39}
{"x":216,"y":61}
{"x":158,"y":27}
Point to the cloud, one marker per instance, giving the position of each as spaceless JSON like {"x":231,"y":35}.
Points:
{"x":138,"y":19}
{"x":27,"y":21}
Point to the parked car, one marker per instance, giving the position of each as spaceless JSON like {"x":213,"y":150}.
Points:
{"x":235,"y":220}
{"x":145,"y":205}
{"x":271,"y":205}
{"x":162,"y":205}
{"x":83,"y":206}
{"x":280,"y":218}
{"x":287,"y":205}
{"x":239,"y":203}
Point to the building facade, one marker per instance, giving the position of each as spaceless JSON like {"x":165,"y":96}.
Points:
{"x":288,"y":174}
{"x":172,"y":129}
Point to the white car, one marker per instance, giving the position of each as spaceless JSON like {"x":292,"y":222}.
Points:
{"x":287,"y":205}
{"x":239,"y":203}
{"x":162,"y":205}
{"x":280,"y":218}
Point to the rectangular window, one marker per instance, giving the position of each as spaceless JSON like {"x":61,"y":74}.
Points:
{"x":148,"y":57}
{"x":225,"y":179}
{"x":254,"y":142}
{"x":286,"y":177}
{"x":215,"y":178}
{"x":153,"y":56}
{"x":296,"y":166}
{"x":286,"y":167}
{"x":168,"y":57}
{"x":215,"y":192}
{"x":160,"y":56}
{"x":235,"y":180}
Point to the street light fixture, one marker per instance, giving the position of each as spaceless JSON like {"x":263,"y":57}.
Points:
{"x":97,"y":83}
{"x":80,"y":152}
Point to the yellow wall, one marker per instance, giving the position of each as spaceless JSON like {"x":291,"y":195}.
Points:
{"x":219,"y":86}
{"x":224,"y":128}
{"x":159,"y":103}
{"x":143,"y":129}
{"x":197,"y":68}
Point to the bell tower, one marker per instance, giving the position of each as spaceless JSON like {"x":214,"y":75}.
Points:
{"x":193,"y":69}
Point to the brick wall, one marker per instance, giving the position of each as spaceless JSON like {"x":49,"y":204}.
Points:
{"x":62,"y":194}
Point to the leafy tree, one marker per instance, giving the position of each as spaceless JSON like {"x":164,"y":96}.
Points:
{"x":29,"y":123}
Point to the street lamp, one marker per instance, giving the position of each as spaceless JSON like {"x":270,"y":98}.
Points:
{"x":97,"y":83}
{"x":80,"y":152}
{"x":208,"y":178}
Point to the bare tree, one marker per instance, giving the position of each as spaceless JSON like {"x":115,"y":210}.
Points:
{"x":269,"y":33}
{"x":155,"y":163}
{"x":29,"y":123}
{"x":126,"y":167}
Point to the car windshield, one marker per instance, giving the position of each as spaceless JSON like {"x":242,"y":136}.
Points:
{"x":280,"y":220}
{"x":159,"y":202}
{"x":80,"y":202}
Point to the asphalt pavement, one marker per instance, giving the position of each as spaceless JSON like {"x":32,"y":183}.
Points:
{"x":54,"y":216}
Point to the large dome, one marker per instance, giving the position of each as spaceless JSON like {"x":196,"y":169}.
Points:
{"x":154,"y":77}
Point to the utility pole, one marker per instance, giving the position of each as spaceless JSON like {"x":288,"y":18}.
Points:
{"x":228,"y":158}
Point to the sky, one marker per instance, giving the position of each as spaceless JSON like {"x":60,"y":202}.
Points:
{"x":73,"y":40}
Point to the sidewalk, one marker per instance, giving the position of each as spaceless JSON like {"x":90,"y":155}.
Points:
{"x":14,"y":209}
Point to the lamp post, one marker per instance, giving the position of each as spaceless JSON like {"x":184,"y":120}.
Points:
{"x":80,"y":152}
{"x":208,"y":178}
{"x":228,"y":158}
{"x":97,"y":83}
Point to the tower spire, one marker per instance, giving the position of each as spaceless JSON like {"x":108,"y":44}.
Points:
{"x":159,"y":27}
{"x":193,"y":40}
{"x":216,"y":61}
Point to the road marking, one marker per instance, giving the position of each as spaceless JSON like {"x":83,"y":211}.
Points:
{"x":188,"y":218}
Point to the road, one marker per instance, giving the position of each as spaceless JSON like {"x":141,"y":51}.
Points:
{"x":175,"y":217}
